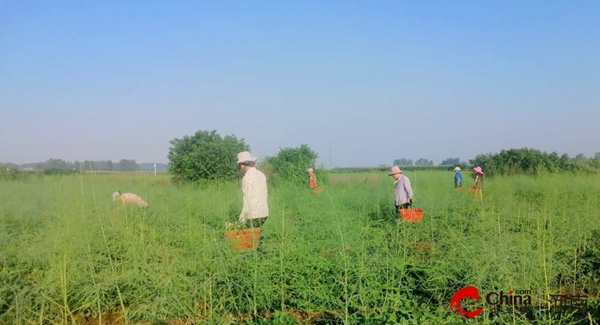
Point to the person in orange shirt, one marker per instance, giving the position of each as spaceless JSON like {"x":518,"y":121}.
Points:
{"x":312,"y":181}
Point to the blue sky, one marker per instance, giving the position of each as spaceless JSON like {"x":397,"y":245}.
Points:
{"x":381,"y":80}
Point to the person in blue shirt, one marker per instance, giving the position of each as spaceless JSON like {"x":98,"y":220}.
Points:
{"x":457,"y":177}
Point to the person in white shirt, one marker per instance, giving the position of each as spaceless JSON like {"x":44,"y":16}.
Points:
{"x":254,"y":186}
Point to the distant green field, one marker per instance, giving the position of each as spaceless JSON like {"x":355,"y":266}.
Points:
{"x":69,"y":255}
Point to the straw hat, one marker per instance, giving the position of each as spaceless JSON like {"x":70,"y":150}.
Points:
{"x":478,"y":170}
{"x":395,"y":170}
{"x":310,"y":170}
{"x":245,"y":156}
{"x":456,"y":169}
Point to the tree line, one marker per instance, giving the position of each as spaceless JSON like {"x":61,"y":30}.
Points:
{"x":533,"y":161}
{"x":124,"y":165}
{"x":208,"y":156}
{"x":426,"y":162}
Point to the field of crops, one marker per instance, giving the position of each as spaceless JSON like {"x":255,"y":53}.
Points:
{"x":69,"y":255}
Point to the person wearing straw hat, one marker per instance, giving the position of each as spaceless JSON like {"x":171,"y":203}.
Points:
{"x":254,"y":186}
{"x":457,"y":177}
{"x":312,"y":181}
{"x":404,"y":193}
{"x":478,"y":183}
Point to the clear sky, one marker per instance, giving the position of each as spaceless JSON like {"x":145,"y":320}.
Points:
{"x":381,"y":80}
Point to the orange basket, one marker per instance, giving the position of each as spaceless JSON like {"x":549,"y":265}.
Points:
{"x":243,"y":239}
{"x":318,"y":190}
{"x":474,"y":191}
{"x":412,"y":214}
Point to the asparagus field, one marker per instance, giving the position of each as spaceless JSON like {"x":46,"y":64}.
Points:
{"x":70,"y":255}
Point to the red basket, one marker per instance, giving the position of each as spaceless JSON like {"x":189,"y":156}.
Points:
{"x":412,"y":214}
{"x":243,"y":239}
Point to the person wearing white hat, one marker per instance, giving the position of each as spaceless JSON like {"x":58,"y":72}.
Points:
{"x":404,"y":193}
{"x":457,"y":177}
{"x":255,"y":209}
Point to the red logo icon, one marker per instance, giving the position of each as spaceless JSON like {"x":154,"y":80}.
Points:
{"x":466,"y":292}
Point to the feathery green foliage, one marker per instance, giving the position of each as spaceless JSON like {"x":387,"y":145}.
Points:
{"x":68,"y":253}
{"x":290,"y":164}
{"x":205,"y":156}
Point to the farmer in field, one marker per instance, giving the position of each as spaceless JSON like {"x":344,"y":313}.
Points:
{"x":404,"y":193}
{"x":254,"y":186}
{"x":312,"y":181}
{"x":129,"y":199}
{"x":478,"y":183}
{"x":457,"y":177}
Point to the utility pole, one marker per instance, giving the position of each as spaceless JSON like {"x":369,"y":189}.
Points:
{"x":330,"y":156}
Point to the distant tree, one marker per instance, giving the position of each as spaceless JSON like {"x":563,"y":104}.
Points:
{"x":402,"y":162}
{"x":422,"y":162}
{"x":88,"y":165}
{"x":109,"y":166}
{"x":597,"y":155}
{"x":410,"y":162}
{"x":451,"y":161}
{"x":55,"y":164}
{"x":100,"y":165}
{"x":205,"y":156}
{"x":291,"y":163}
{"x":529,"y":161}
{"x":128,"y":165}
{"x":430,"y":163}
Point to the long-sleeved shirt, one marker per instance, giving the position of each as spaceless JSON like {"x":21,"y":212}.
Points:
{"x":458,"y":178}
{"x":404,"y":192}
{"x":254,"y":187}
{"x":130,"y":198}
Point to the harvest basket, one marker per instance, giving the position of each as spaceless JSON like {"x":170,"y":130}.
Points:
{"x":474,"y":191}
{"x":243,"y":239}
{"x":411,"y":214}
{"x":318,"y":190}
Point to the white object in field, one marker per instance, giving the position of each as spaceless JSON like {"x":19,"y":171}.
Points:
{"x":129,"y":198}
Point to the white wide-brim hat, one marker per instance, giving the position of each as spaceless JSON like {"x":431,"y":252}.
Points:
{"x":245,"y":156}
{"x":456,"y":169}
{"x":395,"y":170}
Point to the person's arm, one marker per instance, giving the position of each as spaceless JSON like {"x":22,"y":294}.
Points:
{"x":397,"y":192}
{"x":476,"y":178}
{"x":245,"y":208}
{"x":408,"y":189}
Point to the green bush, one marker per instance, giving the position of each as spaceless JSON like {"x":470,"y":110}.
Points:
{"x":57,"y":171}
{"x":291,"y":163}
{"x":205,"y":156}
{"x":530,"y":161}
{"x":9,"y":173}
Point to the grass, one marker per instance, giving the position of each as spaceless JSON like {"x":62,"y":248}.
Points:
{"x":69,"y":255}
